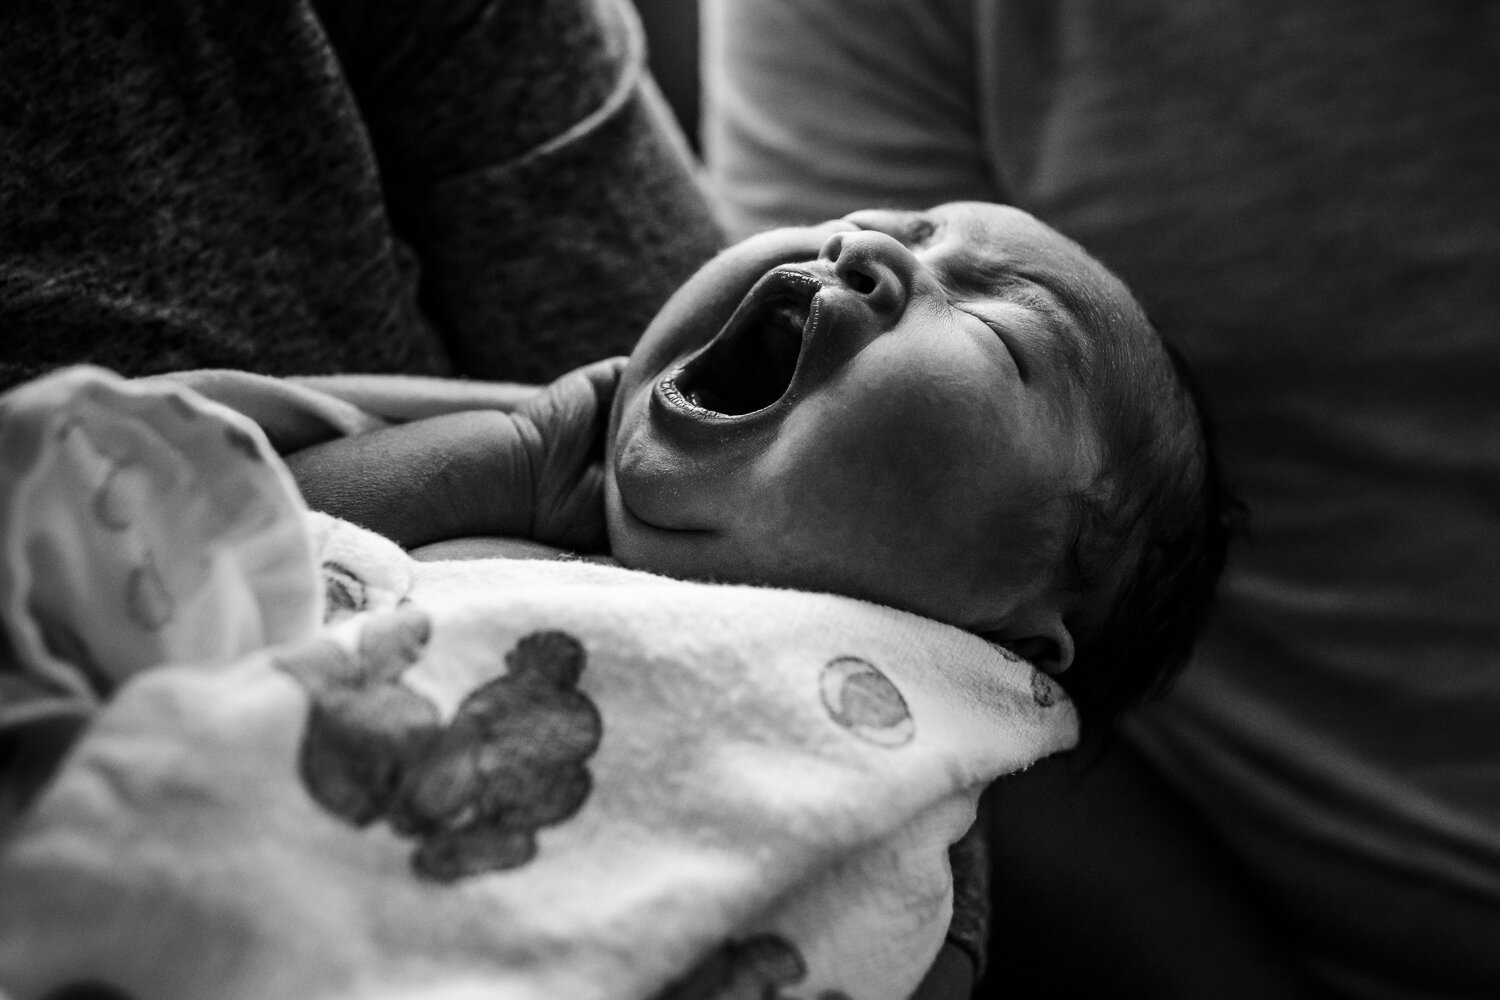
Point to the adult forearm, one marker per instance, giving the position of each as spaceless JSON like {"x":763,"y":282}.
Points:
{"x":547,"y":194}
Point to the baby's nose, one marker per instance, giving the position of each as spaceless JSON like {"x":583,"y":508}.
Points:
{"x":875,"y":266}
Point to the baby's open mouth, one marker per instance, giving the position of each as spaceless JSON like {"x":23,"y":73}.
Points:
{"x":750,"y":363}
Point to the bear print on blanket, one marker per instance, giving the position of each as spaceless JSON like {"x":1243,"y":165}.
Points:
{"x":472,"y":792}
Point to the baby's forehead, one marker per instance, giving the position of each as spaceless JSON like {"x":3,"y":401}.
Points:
{"x":1006,"y":240}
{"x":994,"y":217}
{"x":1006,"y":250}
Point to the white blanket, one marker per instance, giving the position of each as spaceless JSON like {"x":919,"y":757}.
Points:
{"x":315,"y":767}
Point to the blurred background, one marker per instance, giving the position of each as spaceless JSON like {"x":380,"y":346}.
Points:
{"x":672,"y":34}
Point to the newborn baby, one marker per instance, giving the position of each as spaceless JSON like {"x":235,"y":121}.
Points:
{"x":956,"y":412}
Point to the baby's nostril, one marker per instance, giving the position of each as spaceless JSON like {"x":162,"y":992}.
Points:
{"x":859,"y":281}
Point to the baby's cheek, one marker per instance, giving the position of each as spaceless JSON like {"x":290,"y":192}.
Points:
{"x":901,"y":449}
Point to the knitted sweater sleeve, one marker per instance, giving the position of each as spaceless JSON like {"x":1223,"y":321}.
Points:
{"x":530,"y":162}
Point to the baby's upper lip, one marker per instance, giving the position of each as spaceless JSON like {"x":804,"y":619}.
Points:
{"x":751,"y":364}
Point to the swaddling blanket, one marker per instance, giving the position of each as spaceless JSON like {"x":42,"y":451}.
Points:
{"x":318,"y":768}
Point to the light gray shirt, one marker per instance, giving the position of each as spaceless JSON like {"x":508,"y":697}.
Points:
{"x":1306,"y":197}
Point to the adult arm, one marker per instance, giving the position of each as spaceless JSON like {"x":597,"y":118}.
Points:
{"x":814,"y":108}
{"x":482,"y":187}
{"x":530,"y":163}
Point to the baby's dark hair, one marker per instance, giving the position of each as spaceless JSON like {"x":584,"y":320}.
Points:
{"x":1150,"y":534}
{"x":1150,"y":540}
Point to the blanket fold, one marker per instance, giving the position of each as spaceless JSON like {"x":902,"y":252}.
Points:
{"x":497,"y":777}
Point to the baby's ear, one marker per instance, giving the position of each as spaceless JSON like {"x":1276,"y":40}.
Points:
{"x":1040,"y":636}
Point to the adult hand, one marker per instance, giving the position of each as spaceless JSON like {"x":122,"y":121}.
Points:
{"x":563,"y":430}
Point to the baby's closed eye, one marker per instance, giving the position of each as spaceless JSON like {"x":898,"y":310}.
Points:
{"x":1004,"y":334}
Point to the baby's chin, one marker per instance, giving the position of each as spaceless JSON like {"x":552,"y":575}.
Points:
{"x":665,"y":553}
{"x":647,"y":531}
{"x":636,"y":543}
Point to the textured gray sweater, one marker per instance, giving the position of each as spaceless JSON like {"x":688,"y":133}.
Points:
{"x":477,"y":188}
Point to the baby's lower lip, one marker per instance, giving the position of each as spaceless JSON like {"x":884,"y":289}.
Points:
{"x":678,"y":417}
{"x":668,"y":396}
{"x":673,"y":396}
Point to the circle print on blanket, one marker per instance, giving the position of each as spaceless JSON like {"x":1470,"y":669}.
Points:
{"x":1045,"y":691}
{"x":864,"y":701}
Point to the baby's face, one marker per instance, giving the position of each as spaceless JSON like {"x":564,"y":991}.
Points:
{"x":863,"y":407}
